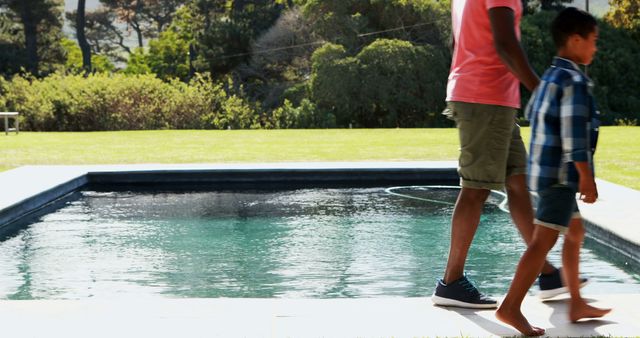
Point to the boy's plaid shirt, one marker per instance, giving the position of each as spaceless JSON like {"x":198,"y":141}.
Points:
{"x":564,"y":126}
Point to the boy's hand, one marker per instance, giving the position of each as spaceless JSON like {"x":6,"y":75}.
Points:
{"x":587,"y":184}
{"x":588,"y":190}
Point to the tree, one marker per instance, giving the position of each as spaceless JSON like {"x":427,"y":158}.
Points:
{"x":130,"y":13}
{"x":625,"y":14}
{"x":159,"y":13}
{"x":338,"y":21}
{"x":553,"y":4}
{"x":12,"y":53}
{"x":227,"y":28}
{"x":613,"y":70}
{"x":169,"y":56}
{"x":147,"y":18}
{"x":102,"y":34}
{"x":74,"y":62}
{"x":531,"y":6}
{"x":35,"y":16}
{"x":357,"y":23}
{"x":280,"y":60}
{"x":82,"y":40}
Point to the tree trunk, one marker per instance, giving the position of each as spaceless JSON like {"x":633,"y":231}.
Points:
{"x":192,"y":60}
{"x":136,"y":27}
{"x":30,"y":37}
{"x":82,"y":39}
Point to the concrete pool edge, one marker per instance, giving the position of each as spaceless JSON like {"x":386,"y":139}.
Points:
{"x":286,"y":317}
{"x":610,"y":221}
{"x":32,"y":187}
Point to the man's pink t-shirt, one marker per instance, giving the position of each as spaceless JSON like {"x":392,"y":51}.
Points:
{"x":477,"y":74}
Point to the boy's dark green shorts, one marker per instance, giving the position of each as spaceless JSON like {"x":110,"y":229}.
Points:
{"x":556,"y":207}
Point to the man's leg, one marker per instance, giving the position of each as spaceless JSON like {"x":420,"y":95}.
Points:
{"x":455,"y":289}
{"x":578,"y":308}
{"x":466,"y":217}
{"x":485,"y":133}
{"x":522,"y":212}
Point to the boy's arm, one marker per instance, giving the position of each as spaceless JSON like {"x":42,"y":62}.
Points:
{"x":509,"y":48}
{"x":587,"y":185}
{"x":574,"y":116}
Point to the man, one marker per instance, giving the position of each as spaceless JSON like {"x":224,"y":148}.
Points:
{"x":482,"y":98}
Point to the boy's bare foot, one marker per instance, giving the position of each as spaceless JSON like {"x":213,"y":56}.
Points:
{"x":516,"y":319}
{"x":580,"y":310}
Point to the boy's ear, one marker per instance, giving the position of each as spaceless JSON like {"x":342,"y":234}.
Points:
{"x":573,"y":39}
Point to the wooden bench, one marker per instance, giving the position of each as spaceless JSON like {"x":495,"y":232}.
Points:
{"x":16,"y":122}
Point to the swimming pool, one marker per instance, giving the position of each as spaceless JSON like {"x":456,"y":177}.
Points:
{"x":316,"y":243}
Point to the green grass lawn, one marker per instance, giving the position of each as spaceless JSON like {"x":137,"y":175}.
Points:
{"x":618,"y":156}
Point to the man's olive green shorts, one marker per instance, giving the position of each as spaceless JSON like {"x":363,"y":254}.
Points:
{"x":491,"y":148}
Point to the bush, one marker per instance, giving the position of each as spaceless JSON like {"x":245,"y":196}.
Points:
{"x":138,"y":63}
{"x":236,"y":114}
{"x":335,"y":83}
{"x":390,"y":83}
{"x":3,"y":90}
{"x":401,"y":84}
{"x":307,"y":115}
{"x":120,"y":102}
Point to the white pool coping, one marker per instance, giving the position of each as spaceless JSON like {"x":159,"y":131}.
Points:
{"x":24,"y":182}
{"x":368,"y":317}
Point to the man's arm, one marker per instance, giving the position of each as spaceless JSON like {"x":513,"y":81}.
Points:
{"x":509,"y":48}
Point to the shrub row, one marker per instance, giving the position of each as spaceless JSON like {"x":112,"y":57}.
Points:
{"x":140,"y":102}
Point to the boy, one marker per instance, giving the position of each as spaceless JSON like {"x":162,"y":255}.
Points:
{"x":564,"y":127}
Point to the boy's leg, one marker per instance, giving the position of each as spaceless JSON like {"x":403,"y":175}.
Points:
{"x":553,"y":214}
{"x":521,"y":211}
{"x":526,"y":273}
{"x":517,"y":192}
{"x":578,"y":308}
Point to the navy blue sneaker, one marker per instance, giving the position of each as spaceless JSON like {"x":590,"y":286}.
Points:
{"x":551,"y":285}
{"x":461,"y":293}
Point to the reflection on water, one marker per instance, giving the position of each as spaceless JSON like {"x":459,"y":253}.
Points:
{"x":320,"y":243}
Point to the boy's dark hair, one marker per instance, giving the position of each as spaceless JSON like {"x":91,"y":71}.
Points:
{"x":571,"y":21}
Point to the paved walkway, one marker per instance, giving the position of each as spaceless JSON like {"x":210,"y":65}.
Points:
{"x":386,"y":317}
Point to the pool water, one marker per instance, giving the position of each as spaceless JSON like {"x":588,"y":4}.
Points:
{"x":315,"y":243}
